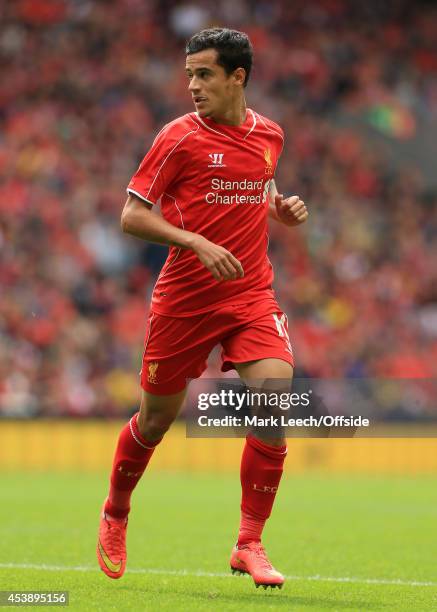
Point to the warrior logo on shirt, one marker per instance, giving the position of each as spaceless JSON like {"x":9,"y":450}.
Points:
{"x":217,"y":160}
{"x":152,"y":372}
{"x":269,"y":165}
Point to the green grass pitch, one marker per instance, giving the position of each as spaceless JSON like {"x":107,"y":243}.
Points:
{"x":345,"y":542}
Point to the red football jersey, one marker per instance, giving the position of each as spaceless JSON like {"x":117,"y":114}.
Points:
{"x":212,"y":179}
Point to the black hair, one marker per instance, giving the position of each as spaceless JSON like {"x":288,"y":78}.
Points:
{"x":234,"y":49}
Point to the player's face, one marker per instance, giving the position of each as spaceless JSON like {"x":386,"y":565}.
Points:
{"x":213,"y":91}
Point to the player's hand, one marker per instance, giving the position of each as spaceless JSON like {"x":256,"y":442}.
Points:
{"x":291,"y":211}
{"x":220,"y":262}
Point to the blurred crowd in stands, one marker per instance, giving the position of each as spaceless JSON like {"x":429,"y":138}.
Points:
{"x":86,"y":85}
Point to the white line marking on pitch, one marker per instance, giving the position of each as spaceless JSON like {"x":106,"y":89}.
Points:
{"x":200,"y":573}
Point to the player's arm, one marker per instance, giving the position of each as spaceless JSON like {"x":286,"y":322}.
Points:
{"x":289,"y":211}
{"x":138,"y":220}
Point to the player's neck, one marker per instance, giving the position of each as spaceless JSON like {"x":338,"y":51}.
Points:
{"x":234,"y":115}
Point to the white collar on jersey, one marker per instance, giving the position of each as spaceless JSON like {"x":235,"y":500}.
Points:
{"x":208,"y":127}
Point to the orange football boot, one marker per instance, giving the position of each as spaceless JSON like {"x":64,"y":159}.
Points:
{"x":111,"y":545}
{"x":251,"y":559}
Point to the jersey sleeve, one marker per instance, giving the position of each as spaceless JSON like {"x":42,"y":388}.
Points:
{"x":162,"y":165}
{"x":280,"y":147}
{"x":281,"y":141}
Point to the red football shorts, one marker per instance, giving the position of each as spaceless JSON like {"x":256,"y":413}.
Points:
{"x":177,"y":348}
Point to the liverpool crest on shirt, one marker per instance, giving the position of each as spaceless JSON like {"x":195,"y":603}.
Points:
{"x":268,"y":158}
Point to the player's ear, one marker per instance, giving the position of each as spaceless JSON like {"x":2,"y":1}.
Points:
{"x":239,"y":76}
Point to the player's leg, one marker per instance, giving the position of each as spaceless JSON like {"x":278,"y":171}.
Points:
{"x":176,"y":349}
{"x":136,"y":444}
{"x":260,"y":474}
{"x":260,"y":351}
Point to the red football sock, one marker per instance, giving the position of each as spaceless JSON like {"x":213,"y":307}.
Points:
{"x":261,"y":471}
{"x":131,"y":458}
